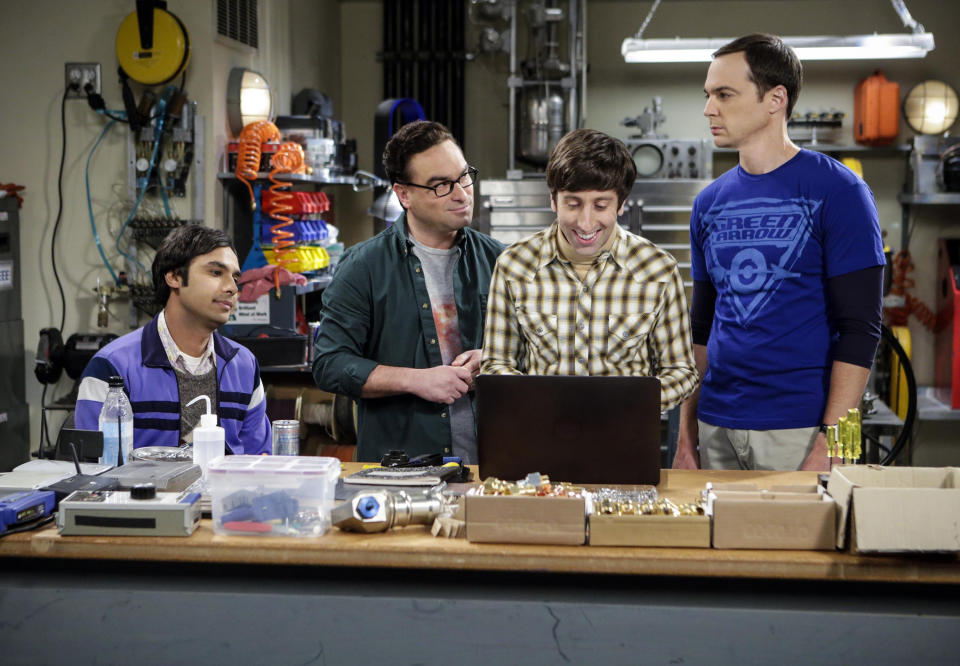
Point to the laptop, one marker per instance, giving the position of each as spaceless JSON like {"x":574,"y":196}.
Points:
{"x":579,"y":429}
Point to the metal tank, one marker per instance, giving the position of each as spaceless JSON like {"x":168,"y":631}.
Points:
{"x":542,"y":123}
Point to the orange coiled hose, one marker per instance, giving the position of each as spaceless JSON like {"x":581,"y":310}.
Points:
{"x":901,"y":282}
{"x":288,"y":159}
{"x":248,"y":152}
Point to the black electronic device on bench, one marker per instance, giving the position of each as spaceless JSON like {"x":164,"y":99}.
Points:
{"x":75,"y":444}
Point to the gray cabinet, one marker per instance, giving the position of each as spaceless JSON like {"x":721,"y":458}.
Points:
{"x":14,"y":417}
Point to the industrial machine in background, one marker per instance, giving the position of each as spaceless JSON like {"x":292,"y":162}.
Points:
{"x":547,"y":89}
{"x":690,"y":159}
{"x":179,"y":151}
{"x":548,"y":84}
{"x":658,"y":156}
{"x":14,"y":416}
{"x":53,"y":357}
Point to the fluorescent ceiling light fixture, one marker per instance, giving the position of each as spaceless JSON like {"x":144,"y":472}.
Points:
{"x":915,"y":44}
{"x":860,"y":47}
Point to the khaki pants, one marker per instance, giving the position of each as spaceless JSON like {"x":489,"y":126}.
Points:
{"x":727,"y":448}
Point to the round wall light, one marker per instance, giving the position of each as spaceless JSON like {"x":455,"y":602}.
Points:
{"x":930,"y":107}
{"x":248,"y":99}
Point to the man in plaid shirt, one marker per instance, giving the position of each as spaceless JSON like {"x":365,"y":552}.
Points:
{"x":585,"y":296}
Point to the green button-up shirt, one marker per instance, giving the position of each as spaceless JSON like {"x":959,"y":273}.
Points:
{"x":377,"y":312}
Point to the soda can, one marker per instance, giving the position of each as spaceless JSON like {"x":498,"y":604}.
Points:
{"x":286,"y":438}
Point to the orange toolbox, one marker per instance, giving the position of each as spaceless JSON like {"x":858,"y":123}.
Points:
{"x":876,"y":111}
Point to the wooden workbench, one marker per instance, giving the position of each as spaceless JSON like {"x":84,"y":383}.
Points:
{"x":413,"y":547}
{"x":546,"y":604}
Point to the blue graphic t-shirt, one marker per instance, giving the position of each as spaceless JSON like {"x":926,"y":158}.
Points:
{"x":768,"y":243}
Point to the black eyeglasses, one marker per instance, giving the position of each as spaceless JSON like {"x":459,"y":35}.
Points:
{"x":445,"y":187}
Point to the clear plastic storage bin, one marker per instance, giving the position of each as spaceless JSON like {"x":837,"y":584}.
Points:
{"x":272,"y":495}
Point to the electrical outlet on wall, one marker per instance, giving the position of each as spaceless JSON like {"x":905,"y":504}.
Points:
{"x":81,"y":74}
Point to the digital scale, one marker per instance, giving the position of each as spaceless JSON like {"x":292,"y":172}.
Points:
{"x":140,"y":511}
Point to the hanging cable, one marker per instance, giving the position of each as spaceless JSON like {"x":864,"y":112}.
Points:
{"x":41,"y":451}
{"x":647,"y":20}
{"x":161,"y":115}
{"x":93,"y":225}
{"x":56,"y":225}
{"x":251,"y":139}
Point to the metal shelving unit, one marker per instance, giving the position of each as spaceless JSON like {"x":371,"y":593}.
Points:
{"x":238,"y":223}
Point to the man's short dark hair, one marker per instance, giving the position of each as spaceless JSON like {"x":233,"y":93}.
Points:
{"x":586,"y":159}
{"x":411,"y":139}
{"x":772,"y":63}
{"x":177,"y":251}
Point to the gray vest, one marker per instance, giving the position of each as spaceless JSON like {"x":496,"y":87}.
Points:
{"x":190,"y":386}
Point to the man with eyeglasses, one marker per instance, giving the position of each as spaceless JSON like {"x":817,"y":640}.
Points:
{"x":402,"y":323}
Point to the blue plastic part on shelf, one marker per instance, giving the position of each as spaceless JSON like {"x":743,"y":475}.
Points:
{"x":261,"y":508}
{"x":255,"y":257}
{"x":305,"y":232}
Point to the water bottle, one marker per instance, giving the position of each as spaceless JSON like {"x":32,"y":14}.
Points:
{"x":116,"y":424}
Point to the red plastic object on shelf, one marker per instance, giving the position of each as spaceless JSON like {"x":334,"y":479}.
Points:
{"x":302,"y":203}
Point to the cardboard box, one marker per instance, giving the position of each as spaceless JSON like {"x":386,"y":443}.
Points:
{"x":897,"y":509}
{"x":526,"y":519}
{"x":785,"y":517}
{"x":639,"y":530}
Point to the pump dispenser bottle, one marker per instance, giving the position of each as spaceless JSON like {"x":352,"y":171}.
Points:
{"x":209,"y":439}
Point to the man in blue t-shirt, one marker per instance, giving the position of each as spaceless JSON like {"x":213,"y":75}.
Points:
{"x":787,"y":264}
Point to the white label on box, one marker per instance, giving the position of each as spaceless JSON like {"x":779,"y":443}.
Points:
{"x":6,"y":274}
{"x":257,"y":312}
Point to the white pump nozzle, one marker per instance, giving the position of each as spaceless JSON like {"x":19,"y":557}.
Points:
{"x":206,"y":420}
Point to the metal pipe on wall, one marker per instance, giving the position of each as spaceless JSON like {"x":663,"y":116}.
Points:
{"x":426,"y":11}
{"x":389,"y":54}
{"x":406,"y":39}
{"x":457,"y":65}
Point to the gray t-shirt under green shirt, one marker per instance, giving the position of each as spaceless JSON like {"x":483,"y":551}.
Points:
{"x":438,"y":275}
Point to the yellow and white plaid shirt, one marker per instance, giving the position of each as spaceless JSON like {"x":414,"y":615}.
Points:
{"x":628,"y":316}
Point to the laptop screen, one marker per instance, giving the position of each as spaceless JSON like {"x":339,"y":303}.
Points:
{"x":576,"y":429}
